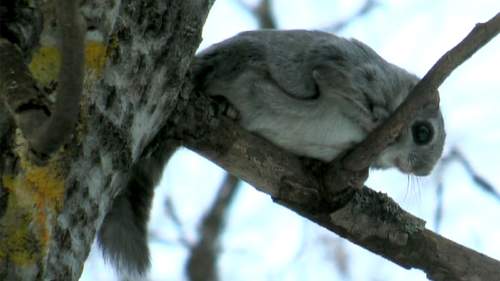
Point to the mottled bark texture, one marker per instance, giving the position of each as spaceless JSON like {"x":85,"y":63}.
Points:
{"x":137,"y":54}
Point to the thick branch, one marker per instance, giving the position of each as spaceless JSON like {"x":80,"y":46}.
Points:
{"x":59,"y":128}
{"x":366,"y":218}
{"x":425,"y":92}
{"x":369,"y":219}
{"x":45,"y":129}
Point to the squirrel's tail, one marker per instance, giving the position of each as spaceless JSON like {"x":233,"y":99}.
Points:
{"x":123,"y":234}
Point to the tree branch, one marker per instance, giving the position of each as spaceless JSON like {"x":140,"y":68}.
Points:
{"x":365,"y":217}
{"x":367,"y":7}
{"x":59,"y":128}
{"x":262,"y":12}
{"x":481,"y":182}
{"x":171,"y":214}
{"x":369,"y":219}
{"x":202,"y":262}
{"x":455,"y":154}
{"x":45,"y":129}
{"x":425,"y":92}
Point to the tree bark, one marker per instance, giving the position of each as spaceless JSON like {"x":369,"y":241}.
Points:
{"x":137,"y":55}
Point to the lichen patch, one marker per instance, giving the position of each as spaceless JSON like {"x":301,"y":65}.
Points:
{"x":36,"y":196}
{"x":46,"y":62}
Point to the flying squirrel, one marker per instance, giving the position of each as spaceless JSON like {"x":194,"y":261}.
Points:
{"x":312,"y":93}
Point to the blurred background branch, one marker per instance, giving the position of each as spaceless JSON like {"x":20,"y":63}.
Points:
{"x":262,"y":12}
{"x":202,"y":260}
{"x":455,"y":155}
{"x":365,"y":9}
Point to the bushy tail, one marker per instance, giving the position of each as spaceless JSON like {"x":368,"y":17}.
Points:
{"x":123,"y":234}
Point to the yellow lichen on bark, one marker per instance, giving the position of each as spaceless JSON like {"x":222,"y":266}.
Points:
{"x":46,"y":62}
{"x":95,"y":57}
{"x":36,"y":195}
{"x":18,"y":242}
{"x":45,"y":65}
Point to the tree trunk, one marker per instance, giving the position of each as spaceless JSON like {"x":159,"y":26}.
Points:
{"x":136,"y":58}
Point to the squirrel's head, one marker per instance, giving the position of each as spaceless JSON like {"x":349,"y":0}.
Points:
{"x":419,"y":146}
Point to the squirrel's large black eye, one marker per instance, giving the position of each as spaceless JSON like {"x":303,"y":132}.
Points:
{"x":422,"y":132}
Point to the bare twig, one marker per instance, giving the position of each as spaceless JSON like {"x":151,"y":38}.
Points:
{"x":244,"y":5}
{"x":425,"y":92}
{"x":438,"y":214}
{"x":367,"y":7}
{"x":484,"y":184}
{"x":174,"y":217}
{"x":337,"y":254}
{"x":262,"y":12}
{"x":266,"y":20}
{"x":202,"y":263}
{"x":456,"y":154}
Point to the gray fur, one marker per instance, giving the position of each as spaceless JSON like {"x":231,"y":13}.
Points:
{"x":315,"y":94}
{"x":123,"y":234}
